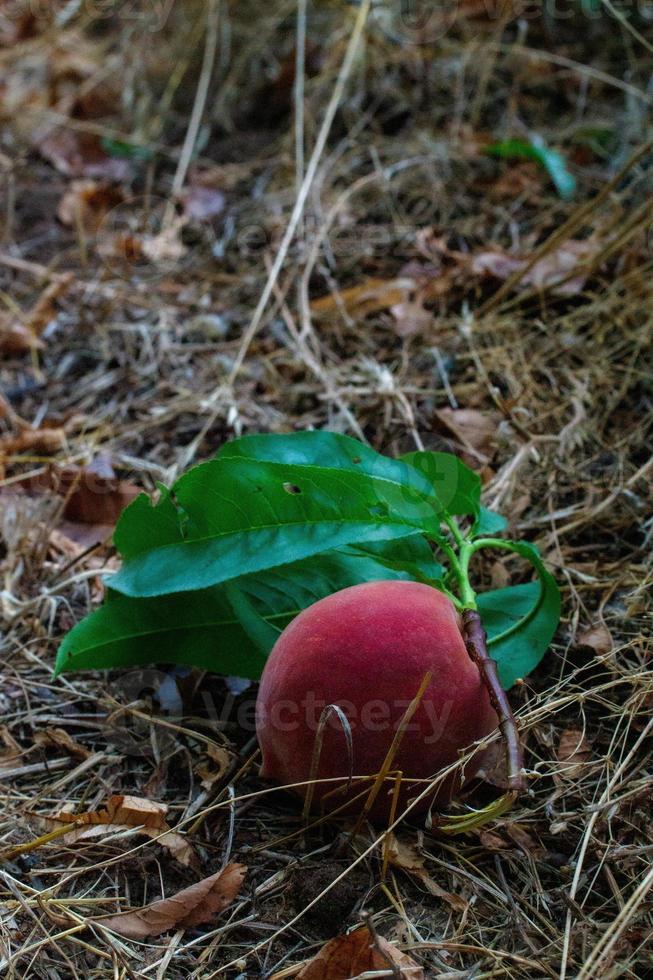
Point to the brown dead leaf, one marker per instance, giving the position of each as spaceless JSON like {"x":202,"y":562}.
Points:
{"x":94,"y":494}
{"x":94,"y":497}
{"x":492,"y":841}
{"x":79,"y":154}
{"x":209,"y":774}
{"x":16,"y":338}
{"x":562,"y":270}
{"x":124,"y":813}
{"x":573,"y":751}
{"x":407,"y":857}
{"x":411,"y":318}
{"x":11,"y":751}
{"x":190,"y":907}
{"x":178,"y":846}
{"x":370,"y":296}
{"x":525,"y":841}
{"x":131,"y":810}
{"x":22,"y":332}
{"x":359,"y":952}
{"x":45,"y":441}
{"x":597,"y":638}
{"x":166,"y":247}
{"x":60,"y":738}
{"x":523,"y":179}
{"x":417,"y":283}
{"x":86,"y":204}
{"x":475,"y":430}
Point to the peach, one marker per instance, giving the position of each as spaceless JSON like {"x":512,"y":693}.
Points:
{"x":368,"y":649}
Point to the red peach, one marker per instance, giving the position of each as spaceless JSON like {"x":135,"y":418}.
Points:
{"x":368,"y":649}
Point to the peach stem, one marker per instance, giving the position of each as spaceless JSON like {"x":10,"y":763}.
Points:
{"x":475,"y":641}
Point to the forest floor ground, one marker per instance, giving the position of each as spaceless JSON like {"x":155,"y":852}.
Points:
{"x":435,"y":293}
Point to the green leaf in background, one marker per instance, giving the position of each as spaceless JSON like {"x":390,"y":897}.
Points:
{"x":202,"y":629}
{"x":457,"y":486}
{"x":122,"y":148}
{"x":520,"y":620}
{"x":536,"y":149}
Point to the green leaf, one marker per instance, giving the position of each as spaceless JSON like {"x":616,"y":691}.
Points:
{"x":244,"y":516}
{"x":457,"y":486}
{"x":203,"y":630}
{"x":521,"y":620}
{"x":502,"y":609}
{"x":121,"y":148}
{"x":332,"y":450}
{"x":262,"y":633}
{"x":411,"y":555}
{"x":552,"y":161}
{"x":144,"y":525}
{"x":489,"y":522}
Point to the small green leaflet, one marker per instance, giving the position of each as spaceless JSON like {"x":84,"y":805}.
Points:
{"x":489,"y":522}
{"x":520,"y":620}
{"x":552,"y":161}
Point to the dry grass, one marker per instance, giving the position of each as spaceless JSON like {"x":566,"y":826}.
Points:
{"x":158,"y":369}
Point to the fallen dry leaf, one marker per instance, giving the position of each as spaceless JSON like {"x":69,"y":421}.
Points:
{"x":597,"y":638}
{"x":190,"y":907}
{"x":80,"y":154}
{"x":492,"y":841}
{"x":123,"y":813}
{"x":86,"y":204}
{"x":407,"y":857}
{"x":370,"y":296}
{"x":573,"y":751}
{"x":21,"y":332}
{"x":11,"y":751}
{"x":562,"y":270}
{"x":178,"y":846}
{"x":475,"y":430}
{"x":131,"y":810}
{"x":166,"y":247}
{"x":209,"y":774}
{"x":525,"y":841}
{"x":357,"y":953}
{"x":417,"y":283}
{"x":16,"y":338}
{"x":60,"y":738}
{"x":94,"y":497}
{"x":46,"y":441}
{"x":411,"y":318}
{"x":94,"y":494}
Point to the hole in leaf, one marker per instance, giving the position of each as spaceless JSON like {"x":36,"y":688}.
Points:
{"x":291,"y":488}
{"x":357,"y":459}
{"x":379,"y":510}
